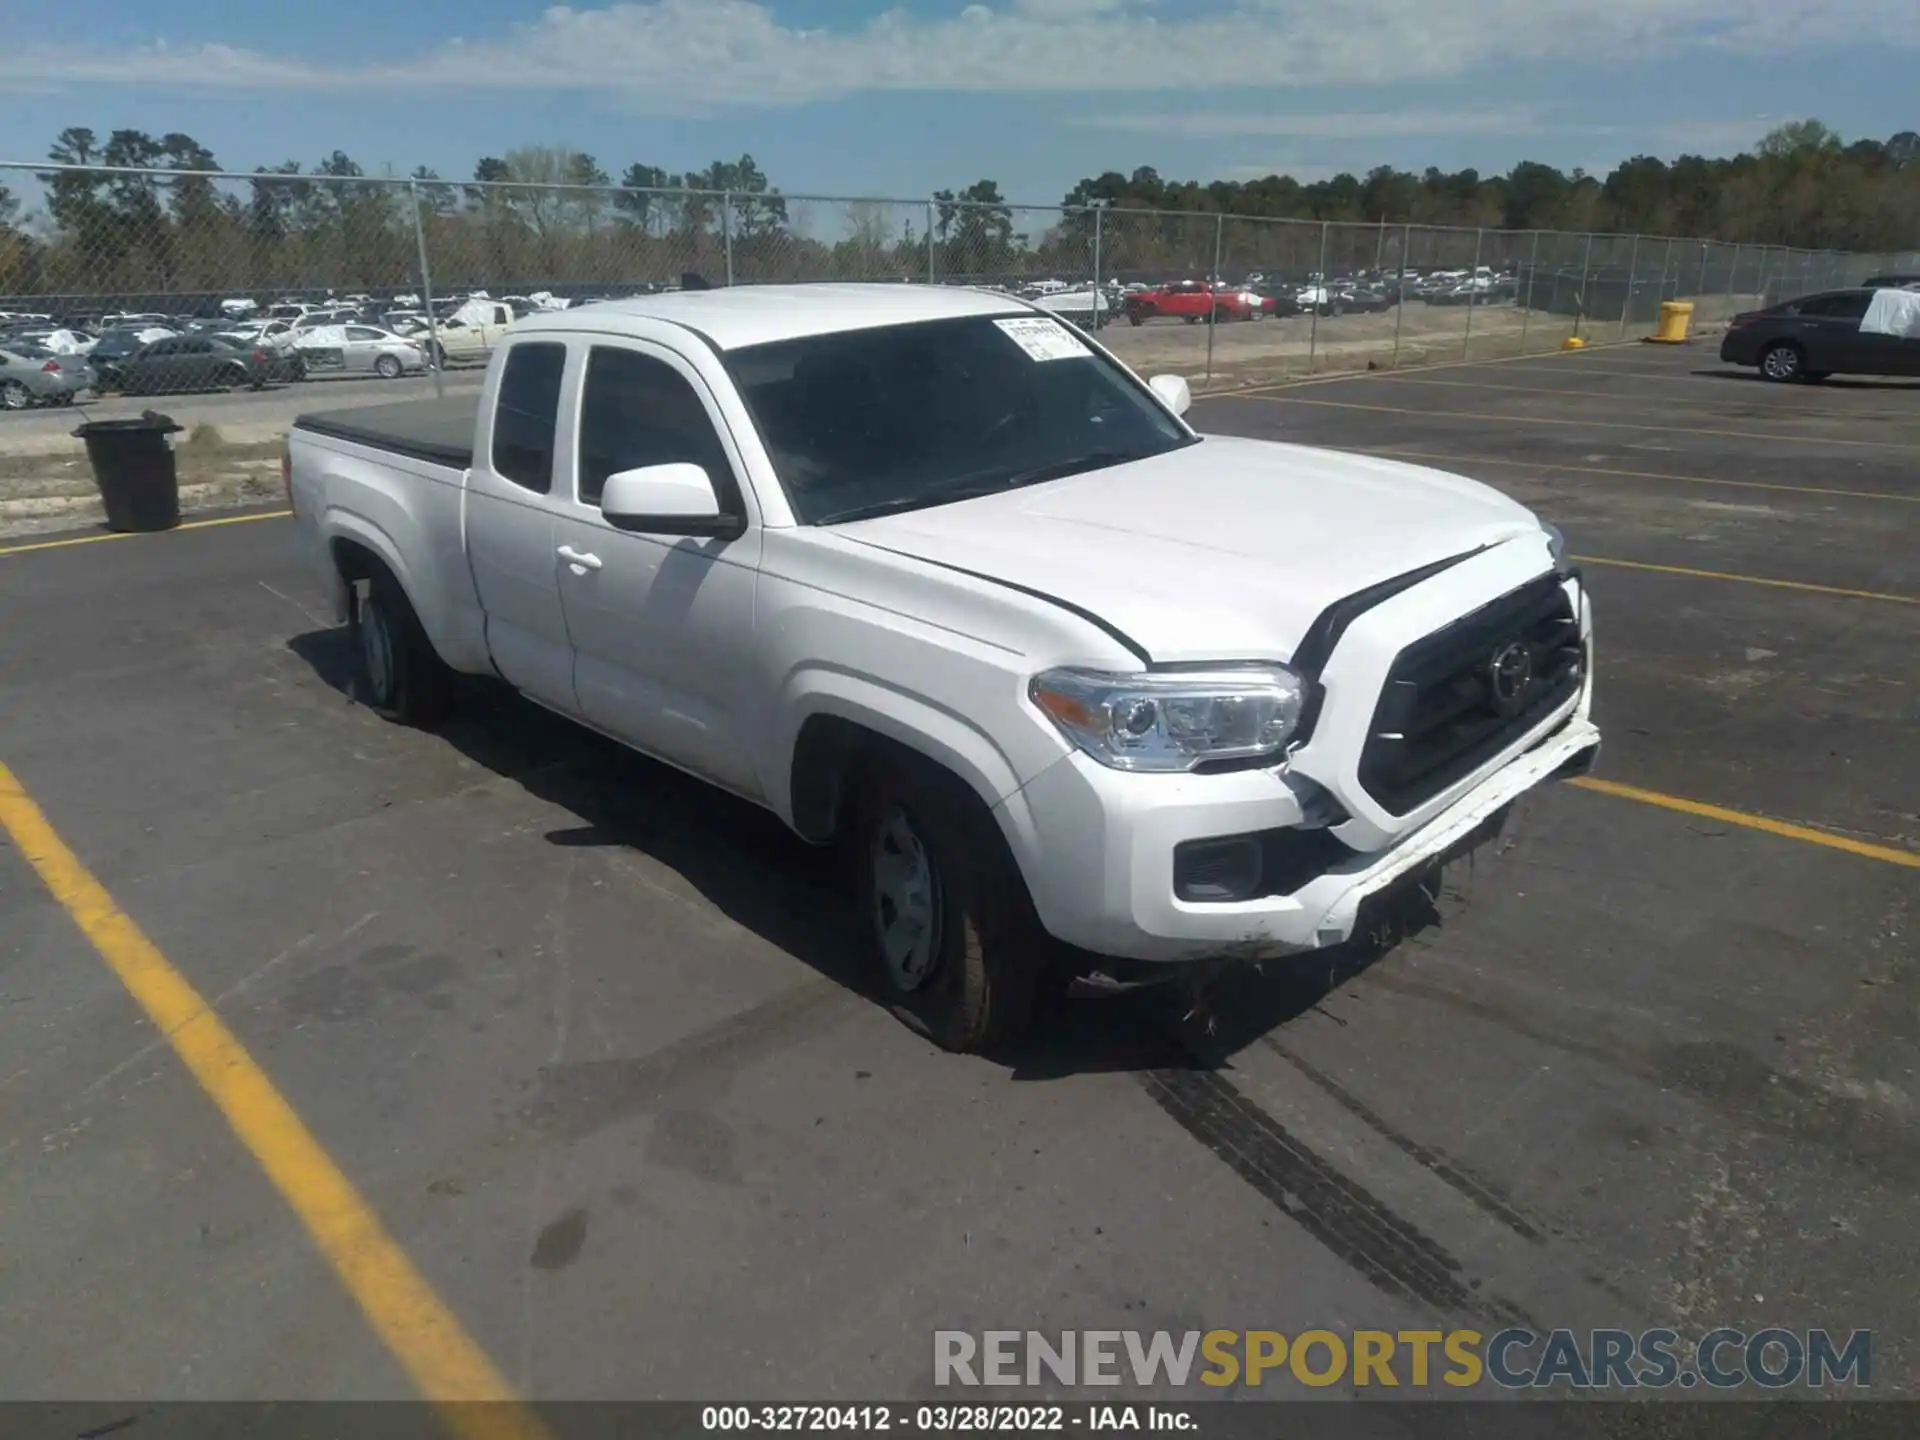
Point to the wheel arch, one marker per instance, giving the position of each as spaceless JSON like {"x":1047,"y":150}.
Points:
{"x":838,"y":730}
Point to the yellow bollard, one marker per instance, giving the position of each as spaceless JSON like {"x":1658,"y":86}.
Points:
{"x":1675,"y":317}
{"x":1573,"y":342}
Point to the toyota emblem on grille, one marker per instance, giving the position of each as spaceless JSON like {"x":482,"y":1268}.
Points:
{"x":1510,"y":677}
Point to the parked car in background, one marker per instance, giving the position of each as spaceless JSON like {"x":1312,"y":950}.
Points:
{"x":1815,"y":336}
{"x":1194,"y":301}
{"x":1891,"y":282}
{"x":277,"y":338}
{"x":34,"y":375}
{"x":471,"y":330}
{"x":115,"y":347}
{"x":359,"y":350}
{"x":191,"y":362}
{"x":60,"y":341}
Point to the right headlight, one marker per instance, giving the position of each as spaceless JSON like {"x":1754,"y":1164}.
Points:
{"x":1173,"y":720}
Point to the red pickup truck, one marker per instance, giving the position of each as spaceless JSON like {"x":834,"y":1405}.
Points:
{"x":1193,"y":301}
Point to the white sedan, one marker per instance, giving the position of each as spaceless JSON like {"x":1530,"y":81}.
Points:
{"x":358,"y":350}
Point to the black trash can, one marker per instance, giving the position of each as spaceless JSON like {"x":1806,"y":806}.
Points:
{"x":133,"y":465}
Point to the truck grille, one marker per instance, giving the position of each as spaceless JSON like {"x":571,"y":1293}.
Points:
{"x":1457,"y":698}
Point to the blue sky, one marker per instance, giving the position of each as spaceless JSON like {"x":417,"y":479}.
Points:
{"x":866,"y":97}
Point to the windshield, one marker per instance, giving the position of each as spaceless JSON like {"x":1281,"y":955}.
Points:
{"x":872,"y":422}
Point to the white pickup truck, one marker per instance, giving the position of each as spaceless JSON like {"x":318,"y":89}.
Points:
{"x":931,"y":575}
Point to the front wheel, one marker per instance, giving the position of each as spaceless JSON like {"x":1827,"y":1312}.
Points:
{"x":397,"y":675}
{"x":953,"y":944}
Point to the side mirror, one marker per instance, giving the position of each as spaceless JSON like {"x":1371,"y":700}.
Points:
{"x":1172,"y":389}
{"x":676,"y":499}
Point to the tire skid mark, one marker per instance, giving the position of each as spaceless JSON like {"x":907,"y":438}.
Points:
{"x":1388,"y":1251}
{"x":1473,"y":1189}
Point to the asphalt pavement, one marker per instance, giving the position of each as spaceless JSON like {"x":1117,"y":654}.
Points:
{"x":585,"y":1036}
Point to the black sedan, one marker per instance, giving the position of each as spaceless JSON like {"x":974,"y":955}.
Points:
{"x":188,"y":362}
{"x":1817,"y":336}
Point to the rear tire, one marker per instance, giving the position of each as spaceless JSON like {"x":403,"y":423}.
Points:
{"x":397,"y":673}
{"x":952,"y":941}
{"x":15,"y":396}
{"x":1782,"y":362}
{"x":387,"y":367}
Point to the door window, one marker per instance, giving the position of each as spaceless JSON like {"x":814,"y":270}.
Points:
{"x":636,"y":410}
{"x":526,"y":413}
{"x":360,"y":332}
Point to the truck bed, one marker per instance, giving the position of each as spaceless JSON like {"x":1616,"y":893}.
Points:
{"x":439,"y":430}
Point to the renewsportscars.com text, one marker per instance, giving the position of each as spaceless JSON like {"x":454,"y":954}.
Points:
{"x":1514,"y":1358}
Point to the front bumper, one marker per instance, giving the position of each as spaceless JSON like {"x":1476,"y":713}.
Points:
{"x":1103,"y":876}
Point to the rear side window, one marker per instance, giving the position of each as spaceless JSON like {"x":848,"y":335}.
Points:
{"x":525,"y":415}
{"x":1841,"y":307}
{"x":635,"y":411}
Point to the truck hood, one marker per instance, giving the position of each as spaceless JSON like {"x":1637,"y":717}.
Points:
{"x":1225,"y":550}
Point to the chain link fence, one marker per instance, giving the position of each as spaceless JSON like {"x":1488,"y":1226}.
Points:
{"x":1223,"y":299}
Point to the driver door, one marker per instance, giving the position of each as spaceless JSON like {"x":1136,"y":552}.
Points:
{"x":661,"y":624}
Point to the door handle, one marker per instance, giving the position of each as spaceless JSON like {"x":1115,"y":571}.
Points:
{"x":575,"y":558}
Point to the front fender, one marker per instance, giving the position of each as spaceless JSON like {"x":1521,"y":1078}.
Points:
{"x":942,"y":735}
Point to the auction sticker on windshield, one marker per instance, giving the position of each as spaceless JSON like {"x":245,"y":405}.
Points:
{"x":1043,"y":339}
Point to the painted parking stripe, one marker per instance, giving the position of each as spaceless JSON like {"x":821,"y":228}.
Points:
{"x":1783,"y":828}
{"x":1801,"y":585}
{"x":445,"y":1363}
{"x":1614,"y":397}
{"x":141,"y":535}
{"x":1525,"y":420}
{"x":1395,"y":452}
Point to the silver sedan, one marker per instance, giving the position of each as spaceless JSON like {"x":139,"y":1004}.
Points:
{"x":359,"y":350}
{"x":33,"y":375}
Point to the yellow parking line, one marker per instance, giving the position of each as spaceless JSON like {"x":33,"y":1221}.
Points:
{"x":132,"y":535}
{"x":1908,"y":858}
{"x":1395,"y":452}
{"x":446,"y":1364}
{"x":1749,"y":579}
{"x":1564,"y":420}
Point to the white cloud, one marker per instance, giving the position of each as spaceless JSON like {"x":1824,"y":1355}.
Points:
{"x":671,"y":56}
{"x":1225,"y":125}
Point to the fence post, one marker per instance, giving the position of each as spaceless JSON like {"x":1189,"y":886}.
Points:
{"x":1526,"y":308}
{"x":1313,"y":323}
{"x":1580,"y":296}
{"x":1700,"y":290}
{"x":1400,"y":307}
{"x":726,"y":229}
{"x":1760,"y":279}
{"x":426,"y":291}
{"x":1098,"y":211}
{"x":1633,"y":272}
{"x":1213,"y":295}
{"x":1473,"y":296}
{"x":930,"y":242}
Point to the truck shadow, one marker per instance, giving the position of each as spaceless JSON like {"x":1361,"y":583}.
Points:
{"x":752,"y":869}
